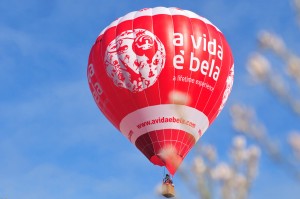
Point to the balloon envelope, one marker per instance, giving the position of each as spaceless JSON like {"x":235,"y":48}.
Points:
{"x":161,"y":76}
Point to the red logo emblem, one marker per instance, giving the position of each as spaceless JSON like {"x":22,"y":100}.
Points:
{"x":135,"y":59}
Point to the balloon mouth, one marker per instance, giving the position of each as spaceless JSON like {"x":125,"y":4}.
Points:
{"x":169,"y":158}
{"x":169,"y":152}
{"x":157,"y":161}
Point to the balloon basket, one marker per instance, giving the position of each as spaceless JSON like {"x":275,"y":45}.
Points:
{"x":168,"y":190}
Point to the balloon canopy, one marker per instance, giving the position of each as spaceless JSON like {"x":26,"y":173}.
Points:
{"x":161,"y":76}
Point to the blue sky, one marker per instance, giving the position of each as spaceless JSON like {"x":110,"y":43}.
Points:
{"x":55,"y":143}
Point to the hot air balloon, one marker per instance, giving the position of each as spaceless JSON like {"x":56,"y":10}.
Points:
{"x":161,"y":76}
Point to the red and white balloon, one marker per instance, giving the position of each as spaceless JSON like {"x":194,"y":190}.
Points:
{"x":161,"y":76}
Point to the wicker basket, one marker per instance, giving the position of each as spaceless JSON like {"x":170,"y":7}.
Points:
{"x":168,"y":190}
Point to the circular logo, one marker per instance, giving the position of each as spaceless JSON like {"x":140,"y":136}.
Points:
{"x":134,"y":59}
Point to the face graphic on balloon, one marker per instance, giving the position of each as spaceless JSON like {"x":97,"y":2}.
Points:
{"x":135,"y":59}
